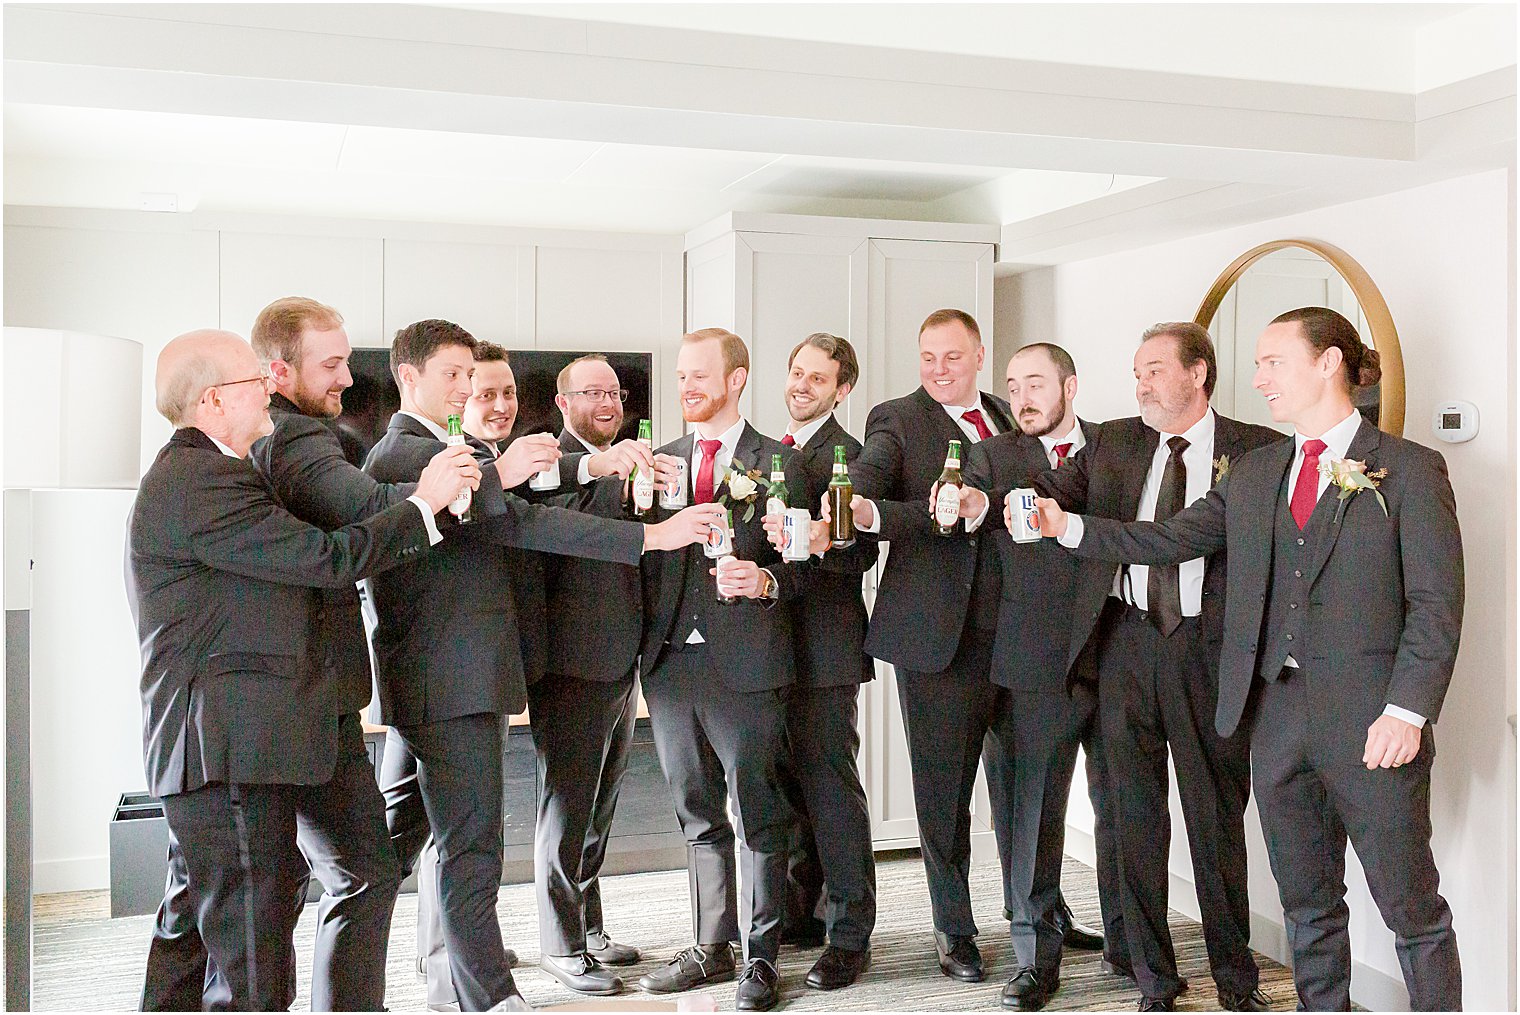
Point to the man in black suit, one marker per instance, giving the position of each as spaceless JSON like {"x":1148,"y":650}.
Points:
{"x":936,"y":610}
{"x":240,"y":739}
{"x":831,"y":841}
{"x":1154,"y":633}
{"x":1340,"y":632}
{"x":715,"y":676}
{"x":449,"y":652}
{"x":1046,"y":707}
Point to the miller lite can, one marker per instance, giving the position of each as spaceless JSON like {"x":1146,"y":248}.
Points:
{"x":1024,"y":516}
{"x":673,"y":496}
{"x":795,"y":523}
{"x":720,"y":540}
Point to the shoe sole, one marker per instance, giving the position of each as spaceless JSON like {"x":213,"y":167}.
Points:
{"x":978,"y":978}
{"x":839,"y":986}
{"x":607,"y":991}
{"x":716,"y":978}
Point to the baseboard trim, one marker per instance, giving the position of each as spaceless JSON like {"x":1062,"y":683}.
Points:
{"x":75,"y":874}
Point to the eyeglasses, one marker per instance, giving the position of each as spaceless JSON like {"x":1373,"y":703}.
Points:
{"x":597,"y":394}
{"x":265,"y":379}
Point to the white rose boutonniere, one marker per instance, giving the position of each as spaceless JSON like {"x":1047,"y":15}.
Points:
{"x":741,"y":486}
{"x":1352,"y":477}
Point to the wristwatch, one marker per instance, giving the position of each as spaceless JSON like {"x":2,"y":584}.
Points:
{"x":767,"y":584}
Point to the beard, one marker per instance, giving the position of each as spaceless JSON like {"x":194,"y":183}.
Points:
{"x":819,"y":407}
{"x":600,"y":434}
{"x":1039,"y":426}
{"x":706,"y":410}
{"x":1160,"y":413}
{"x":319,"y":404}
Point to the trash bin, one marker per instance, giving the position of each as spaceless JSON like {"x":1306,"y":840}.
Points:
{"x":139,"y":855}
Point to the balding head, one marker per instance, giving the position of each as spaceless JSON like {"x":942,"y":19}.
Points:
{"x":209,"y":379}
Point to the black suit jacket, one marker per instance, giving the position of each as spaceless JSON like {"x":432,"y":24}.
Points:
{"x":587,"y":597}
{"x":224,"y":588}
{"x":1105,"y":479}
{"x":303,"y":460}
{"x":447,"y":642}
{"x":1385,"y":601}
{"x":925,"y":591}
{"x":1030,"y":652}
{"x":830,"y":620}
{"x":750,"y":641}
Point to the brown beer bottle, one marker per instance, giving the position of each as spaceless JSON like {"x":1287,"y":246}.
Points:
{"x":947,"y":501}
{"x":841,"y":492}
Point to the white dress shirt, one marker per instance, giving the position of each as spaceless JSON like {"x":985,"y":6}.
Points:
{"x":972,"y":437}
{"x":1198,"y":460}
{"x":721,"y":462}
{"x":809,"y":430}
{"x":1074,"y":437}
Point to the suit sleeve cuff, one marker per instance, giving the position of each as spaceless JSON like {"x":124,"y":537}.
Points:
{"x":972,"y":524}
{"x":875,"y":525}
{"x":1072,"y":538}
{"x":1413,"y":718}
{"x":434,"y":536}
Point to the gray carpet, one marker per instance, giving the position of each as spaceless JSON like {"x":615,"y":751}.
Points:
{"x":85,"y":961}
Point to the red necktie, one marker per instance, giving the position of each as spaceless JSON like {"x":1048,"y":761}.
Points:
{"x":789,"y":441}
{"x":1061,"y":450}
{"x":702,"y":490}
{"x":1306,"y":487}
{"x":974,"y":417}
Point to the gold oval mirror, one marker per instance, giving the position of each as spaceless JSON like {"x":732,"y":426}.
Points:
{"x":1282,"y":275}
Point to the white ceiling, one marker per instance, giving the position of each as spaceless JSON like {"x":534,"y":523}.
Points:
{"x":1064,"y":123}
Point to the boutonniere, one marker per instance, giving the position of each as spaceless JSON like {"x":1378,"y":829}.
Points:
{"x":1352,"y":478}
{"x":742,"y":486}
{"x":1221,"y":468}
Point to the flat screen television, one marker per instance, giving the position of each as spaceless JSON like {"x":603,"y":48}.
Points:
{"x":374,"y":398}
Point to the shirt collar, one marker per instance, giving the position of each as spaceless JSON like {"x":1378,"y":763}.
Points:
{"x":1197,"y":435}
{"x":224,"y":449}
{"x":1337,"y":439}
{"x":957,"y":411}
{"x":728,"y":438}
{"x":1074,"y":437}
{"x":808,"y":431}
{"x":434,"y":428}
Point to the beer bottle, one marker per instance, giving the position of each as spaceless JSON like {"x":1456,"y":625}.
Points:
{"x":643,"y":482}
{"x":947,"y":501}
{"x":776,"y":499}
{"x":841,"y":492}
{"x":460,"y":507}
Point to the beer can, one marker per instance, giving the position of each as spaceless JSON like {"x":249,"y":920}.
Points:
{"x":674,"y":496}
{"x":1024,"y":515}
{"x":795,"y":527}
{"x":720,"y":542}
{"x":545,"y":479}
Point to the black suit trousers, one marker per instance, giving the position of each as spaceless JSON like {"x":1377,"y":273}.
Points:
{"x":242,"y":873}
{"x":1156,"y":693}
{"x":831,"y":850}
{"x":582,"y":735}
{"x":1313,"y":790}
{"x":455,"y":791}
{"x":717,"y":744}
{"x":946,"y":716}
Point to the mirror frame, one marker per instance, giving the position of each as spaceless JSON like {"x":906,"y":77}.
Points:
{"x":1385,"y":338}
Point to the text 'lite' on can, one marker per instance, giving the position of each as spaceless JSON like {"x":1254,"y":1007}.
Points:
{"x":1024,"y":516}
{"x":795,"y":525}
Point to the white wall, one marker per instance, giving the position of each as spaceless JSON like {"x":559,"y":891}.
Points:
{"x":1443,"y":257}
{"x":150,"y":277}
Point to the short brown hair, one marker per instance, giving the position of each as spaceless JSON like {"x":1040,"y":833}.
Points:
{"x":1323,"y":328}
{"x":951,"y":316}
{"x":837,"y":349}
{"x":562,"y":382}
{"x":1193,"y":345}
{"x":1065,"y":365}
{"x":490,"y":352}
{"x":277,"y":329}
{"x":735,"y":352}
{"x":416,"y":343}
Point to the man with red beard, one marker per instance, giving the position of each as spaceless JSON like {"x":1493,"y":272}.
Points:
{"x":715,"y":672}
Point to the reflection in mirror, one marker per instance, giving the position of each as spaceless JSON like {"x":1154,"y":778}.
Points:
{"x":1285,"y":275}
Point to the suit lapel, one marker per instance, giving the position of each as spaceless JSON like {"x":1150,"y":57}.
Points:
{"x":747,"y":449}
{"x":1136,"y":468}
{"x":1000,"y":413}
{"x":1363,"y":447}
{"x":938,"y":419}
{"x":1035,"y":459}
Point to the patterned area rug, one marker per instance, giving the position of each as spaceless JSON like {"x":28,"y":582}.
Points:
{"x":85,"y":961}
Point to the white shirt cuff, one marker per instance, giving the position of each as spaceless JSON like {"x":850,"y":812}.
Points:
{"x":1072,"y":537}
{"x":972,"y":524}
{"x":875,"y":525}
{"x":1412,"y":718}
{"x":434,"y":536}
{"x":583,"y":474}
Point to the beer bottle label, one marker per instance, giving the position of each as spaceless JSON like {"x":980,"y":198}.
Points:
{"x":947,"y":505}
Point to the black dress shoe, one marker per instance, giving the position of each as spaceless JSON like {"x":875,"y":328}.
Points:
{"x":582,"y":974}
{"x":808,"y":933}
{"x":1030,"y":988}
{"x":838,"y":967}
{"x":1255,"y":1000}
{"x":608,"y":952}
{"x":695,"y":966}
{"x":1157,"y":1004}
{"x":1074,"y":934}
{"x":959,"y":958}
{"x":759,"y":987}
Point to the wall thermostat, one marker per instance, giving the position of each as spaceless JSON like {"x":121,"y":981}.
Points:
{"x":1455,"y":422}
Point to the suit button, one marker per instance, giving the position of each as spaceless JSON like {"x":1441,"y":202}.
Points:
{"x":1290,"y":637}
{"x":1298,"y":574}
{"x":1300,"y":540}
{"x":1292,"y":606}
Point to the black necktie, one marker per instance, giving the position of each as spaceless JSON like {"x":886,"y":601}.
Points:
{"x":1163,"y":588}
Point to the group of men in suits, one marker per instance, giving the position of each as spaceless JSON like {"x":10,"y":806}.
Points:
{"x":1008,"y":654}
